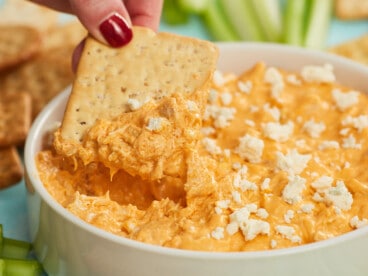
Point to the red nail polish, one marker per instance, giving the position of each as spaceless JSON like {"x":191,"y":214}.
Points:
{"x":116,"y":31}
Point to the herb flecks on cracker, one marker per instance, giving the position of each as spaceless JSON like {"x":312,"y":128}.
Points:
{"x":151,"y":66}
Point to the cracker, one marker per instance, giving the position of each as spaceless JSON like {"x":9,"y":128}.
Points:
{"x":17,"y":44}
{"x":43,"y":77}
{"x":356,"y":49}
{"x":151,"y":66}
{"x":21,"y":12}
{"x":351,"y":9}
{"x":11,"y":170}
{"x":70,"y":33}
{"x":15,"y":118}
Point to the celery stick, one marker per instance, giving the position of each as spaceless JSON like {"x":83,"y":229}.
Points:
{"x":193,"y":6}
{"x":10,"y":248}
{"x":1,"y":239}
{"x":14,"y":267}
{"x":172,"y":14}
{"x":294,"y":21}
{"x":318,"y":23}
{"x":217,"y":24}
{"x":269,"y":16}
{"x":243,"y":18}
{"x":2,"y":267}
{"x":15,"y":249}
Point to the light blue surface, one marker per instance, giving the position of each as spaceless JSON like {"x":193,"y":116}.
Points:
{"x":13,"y":212}
{"x":13,"y":207}
{"x":341,"y":31}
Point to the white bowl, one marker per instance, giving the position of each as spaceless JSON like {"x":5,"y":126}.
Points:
{"x":66,"y":245}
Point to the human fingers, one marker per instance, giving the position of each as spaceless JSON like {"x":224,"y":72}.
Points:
{"x":59,"y":5}
{"x":108,"y":21}
{"x":142,"y":13}
{"x":145,"y":13}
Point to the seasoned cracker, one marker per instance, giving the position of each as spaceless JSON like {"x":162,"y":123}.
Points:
{"x":43,"y":77}
{"x":17,"y":44}
{"x":70,"y":33}
{"x":11,"y":170}
{"x":351,"y":9}
{"x":356,"y":49}
{"x":15,"y":118}
{"x":151,"y":66}
{"x":22,"y":12}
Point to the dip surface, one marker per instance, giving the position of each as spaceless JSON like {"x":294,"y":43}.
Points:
{"x":268,"y":159}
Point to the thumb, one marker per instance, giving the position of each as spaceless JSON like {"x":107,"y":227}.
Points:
{"x":107,"y":21}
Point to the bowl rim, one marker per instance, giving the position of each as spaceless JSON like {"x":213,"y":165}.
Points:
{"x":31,"y":171}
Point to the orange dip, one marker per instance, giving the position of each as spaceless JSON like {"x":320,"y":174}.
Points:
{"x":273,"y":159}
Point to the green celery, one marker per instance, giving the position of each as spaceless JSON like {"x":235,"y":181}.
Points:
{"x":2,"y":267}
{"x":1,"y":239}
{"x":10,"y":248}
{"x":294,"y":21}
{"x":172,"y":13}
{"x":269,"y":16}
{"x":217,"y":23}
{"x":319,"y":18}
{"x":15,"y":267}
{"x":15,"y":249}
{"x":194,"y":6}
{"x":242,"y":16}
{"x":13,"y":254}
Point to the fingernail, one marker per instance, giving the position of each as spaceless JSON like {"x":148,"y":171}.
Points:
{"x":116,"y":31}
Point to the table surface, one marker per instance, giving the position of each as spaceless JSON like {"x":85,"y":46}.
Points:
{"x":13,"y":205}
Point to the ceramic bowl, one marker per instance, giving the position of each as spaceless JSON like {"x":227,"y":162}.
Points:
{"x":66,"y":245}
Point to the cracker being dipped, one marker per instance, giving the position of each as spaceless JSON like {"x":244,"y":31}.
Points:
{"x":122,"y":97}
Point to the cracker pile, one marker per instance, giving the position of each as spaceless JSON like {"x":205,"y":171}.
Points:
{"x":351,"y":9}
{"x":356,"y":49}
{"x":35,"y":65}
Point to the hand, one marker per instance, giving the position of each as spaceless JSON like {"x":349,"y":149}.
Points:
{"x":109,"y":21}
